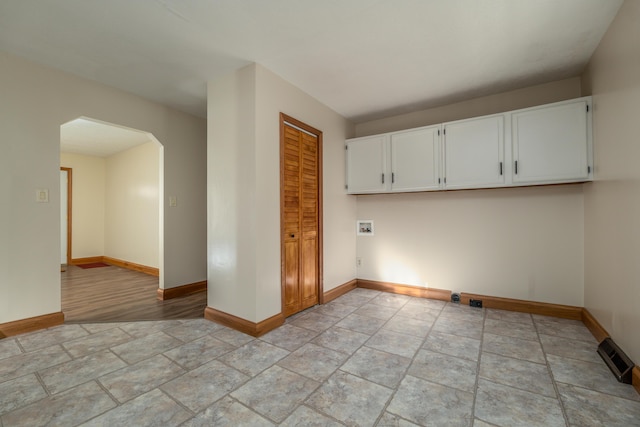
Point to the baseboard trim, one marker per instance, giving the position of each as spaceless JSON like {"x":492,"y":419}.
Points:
{"x":242,"y":325}
{"x":338,"y":291}
{"x":152,"y":271}
{"x":635,"y":378}
{"x":86,"y":260}
{"x":414,"y":291}
{"x":594,"y":326}
{"x":523,"y":306}
{"x":31,"y":324}
{"x":181,"y":291}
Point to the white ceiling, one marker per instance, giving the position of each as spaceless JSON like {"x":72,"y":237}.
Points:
{"x":365,"y":59}
{"x":93,"y":138}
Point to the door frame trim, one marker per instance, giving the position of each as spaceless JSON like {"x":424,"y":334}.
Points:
{"x":286,"y":119}
{"x":69,"y":211}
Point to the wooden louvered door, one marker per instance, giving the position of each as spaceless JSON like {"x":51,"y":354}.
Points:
{"x":300,"y":198}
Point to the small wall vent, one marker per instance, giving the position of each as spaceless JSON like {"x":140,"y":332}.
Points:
{"x":620,"y":365}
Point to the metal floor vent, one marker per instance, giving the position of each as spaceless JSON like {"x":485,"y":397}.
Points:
{"x":620,"y":365}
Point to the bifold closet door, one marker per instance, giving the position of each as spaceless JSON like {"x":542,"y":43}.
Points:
{"x":300,"y":219}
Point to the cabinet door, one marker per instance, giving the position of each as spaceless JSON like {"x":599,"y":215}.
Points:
{"x":474,"y":153}
{"x":550,"y":144}
{"x":415,"y":160}
{"x":367,"y":165}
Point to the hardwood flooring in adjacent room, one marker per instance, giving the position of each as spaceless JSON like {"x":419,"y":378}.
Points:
{"x":114,"y":294}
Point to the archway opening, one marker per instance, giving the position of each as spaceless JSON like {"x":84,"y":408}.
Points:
{"x":116,"y":224}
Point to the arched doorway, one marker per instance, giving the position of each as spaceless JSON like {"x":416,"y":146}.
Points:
{"x":116,"y":218}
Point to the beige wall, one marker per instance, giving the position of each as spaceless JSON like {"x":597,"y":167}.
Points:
{"x":132,"y":213}
{"x":244,"y":188}
{"x":232,"y":213}
{"x":275,"y":95}
{"x":524,"y":243}
{"x":35,"y":101}
{"x":87,"y":215}
{"x":116,"y":204}
{"x":612,"y":202}
{"x":512,"y":100}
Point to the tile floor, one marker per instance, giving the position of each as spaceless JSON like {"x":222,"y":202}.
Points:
{"x":367,"y":358}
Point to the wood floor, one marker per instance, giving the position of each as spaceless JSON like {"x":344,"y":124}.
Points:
{"x":114,"y":294}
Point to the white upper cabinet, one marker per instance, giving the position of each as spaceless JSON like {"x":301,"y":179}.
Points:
{"x":415,"y":160}
{"x":534,"y":146}
{"x":552,"y":143}
{"x":367,"y":165}
{"x":474,"y":153}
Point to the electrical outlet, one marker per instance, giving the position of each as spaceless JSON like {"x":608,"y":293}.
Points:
{"x":358,"y":262}
{"x":475,"y":303}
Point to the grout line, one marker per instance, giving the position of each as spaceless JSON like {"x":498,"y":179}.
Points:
{"x":404,"y":375}
{"x":476,"y":385}
{"x":319,"y":384}
{"x":415,"y":354}
{"x":120,"y":358}
{"x":42,"y":384}
{"x":69,"y":353}
{"x":111,"y":396}
{"x":319,"y":411}
{"x":615,"y":396}
{"x":245,"y":406}
{"x":183,"y":406}
{"x":95,"y":380}
{"x":22,"y":350}
{"x":519,"y":359}
{"x":352,"y":353}
{"x":553,"y":380}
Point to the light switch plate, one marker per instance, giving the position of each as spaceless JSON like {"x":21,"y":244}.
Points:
{"x":173,"y":201}
{"x":42,"y":195}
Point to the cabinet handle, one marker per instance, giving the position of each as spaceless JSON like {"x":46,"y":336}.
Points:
{"x":516,"y":167}
{"x":393,"y":177}
{"x":500,"y":168}
{"x":383,"y":178}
